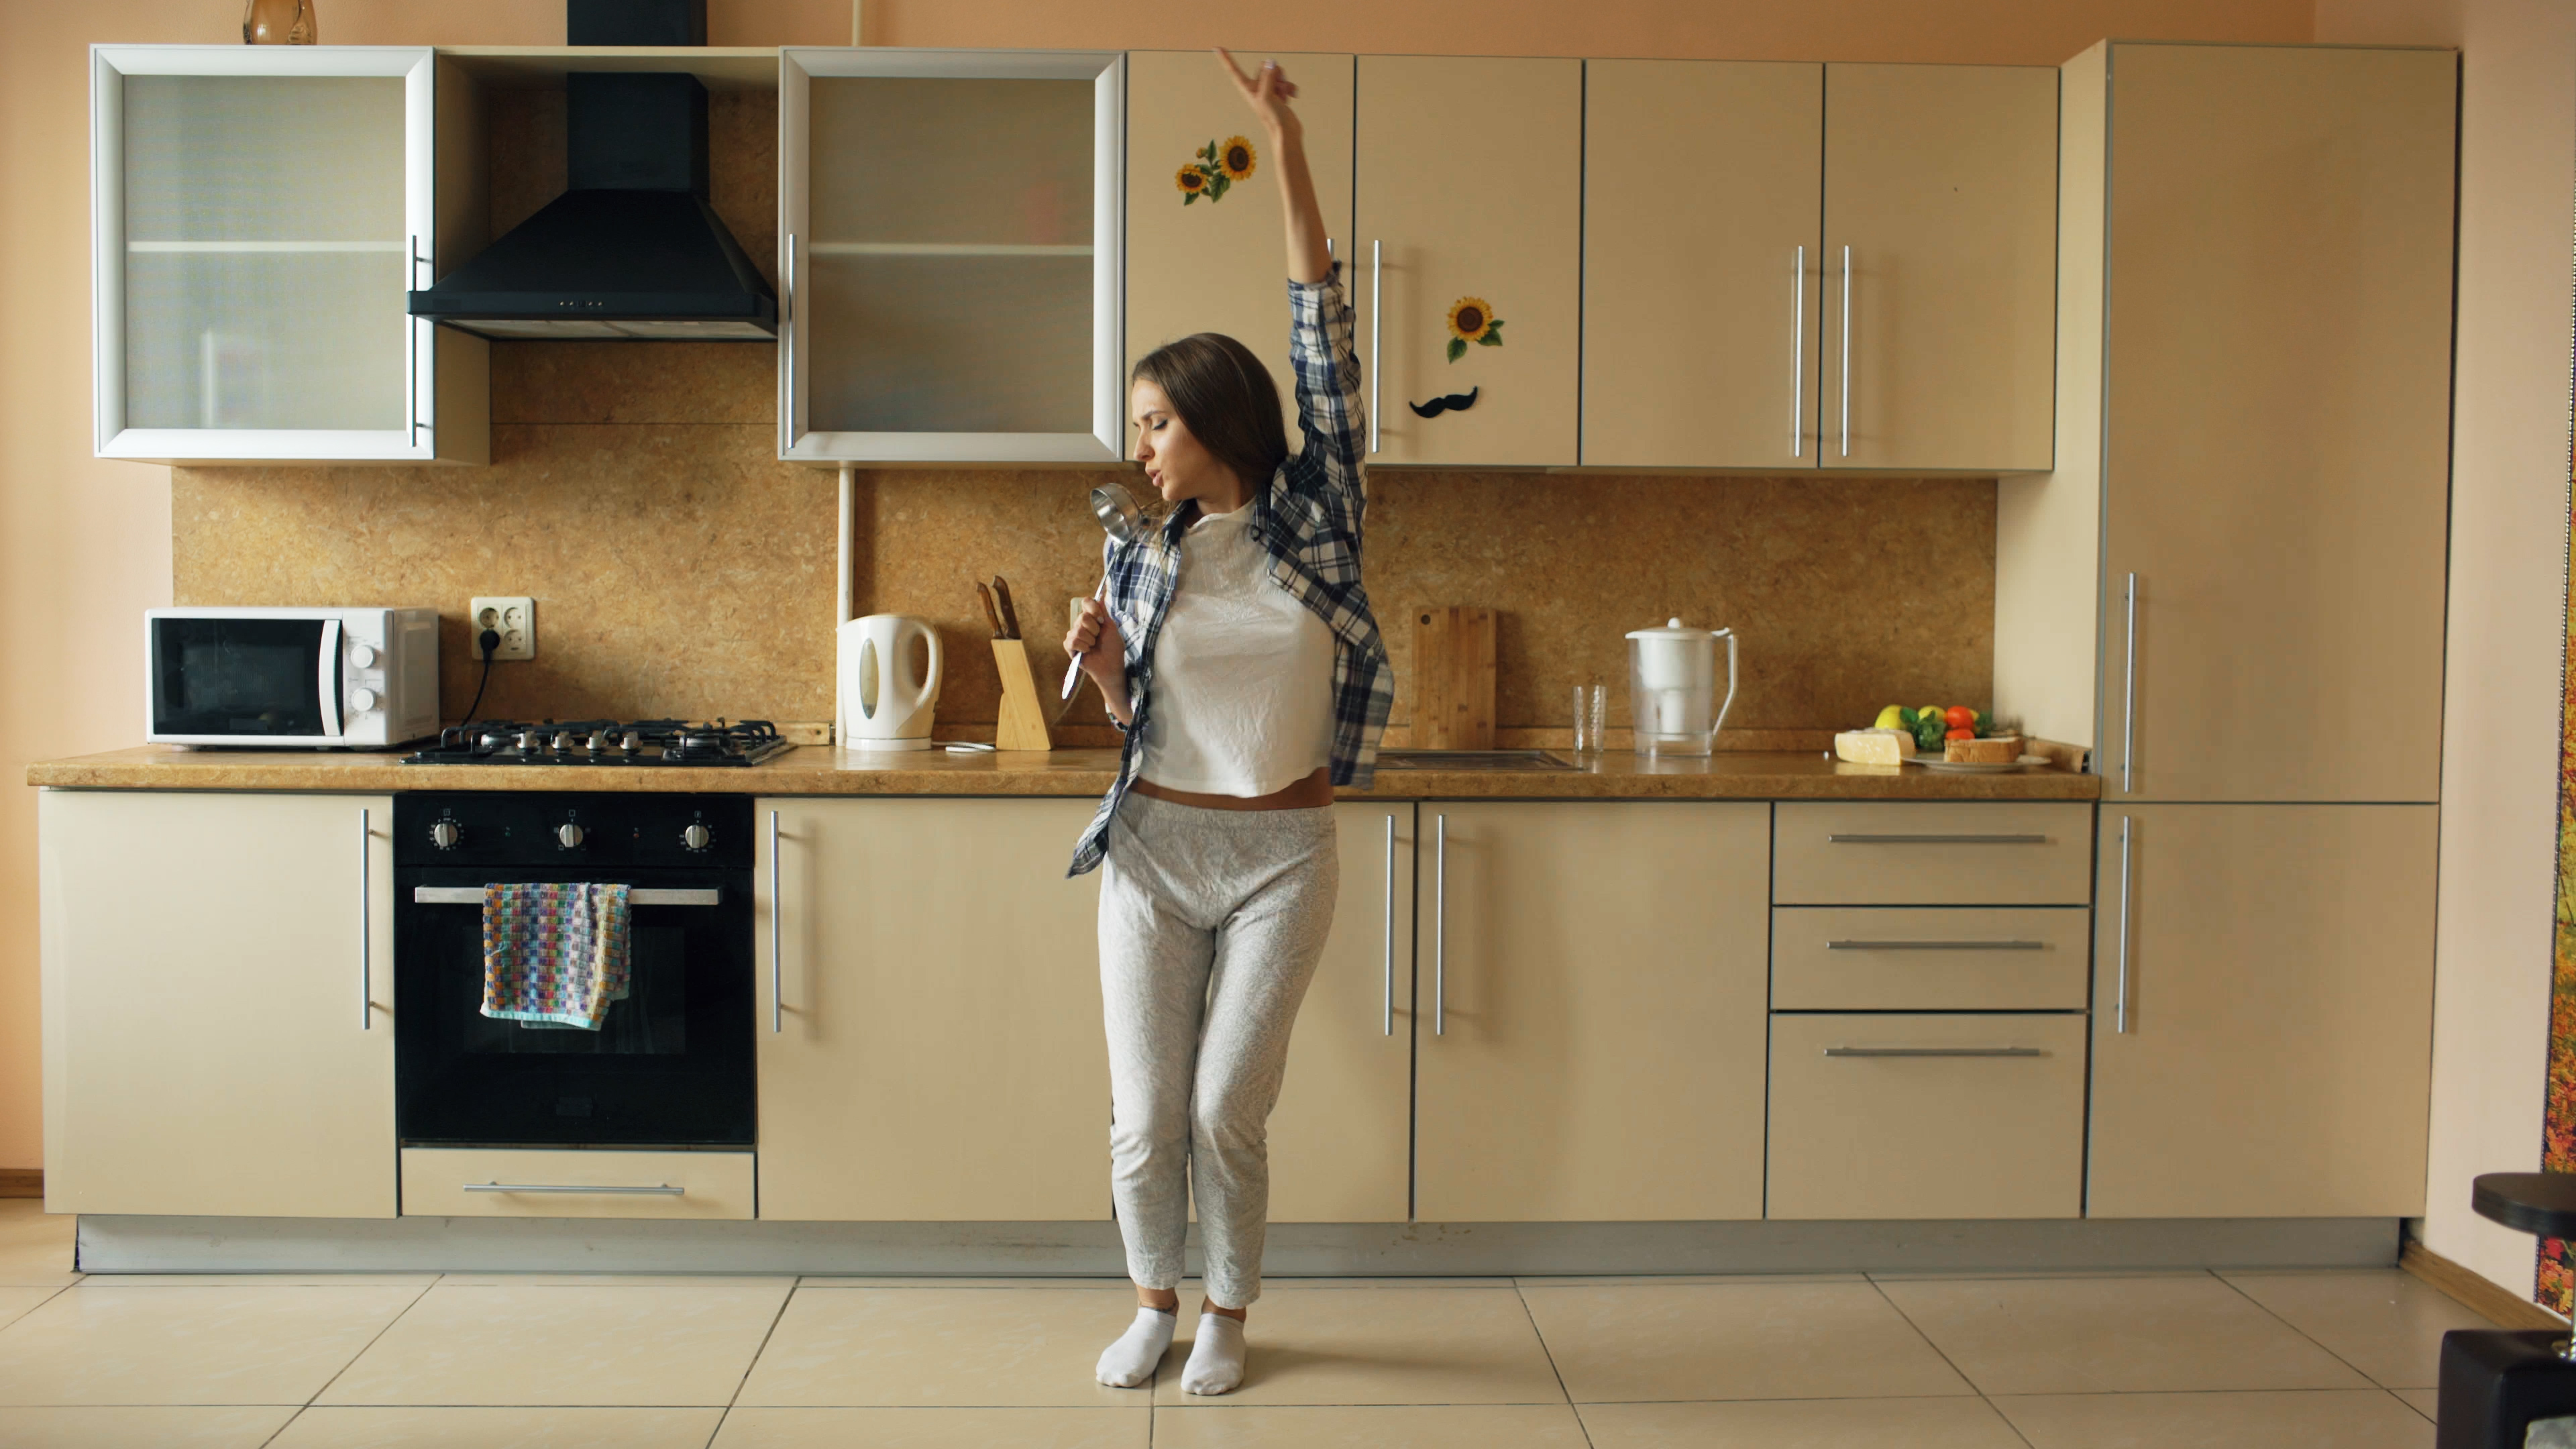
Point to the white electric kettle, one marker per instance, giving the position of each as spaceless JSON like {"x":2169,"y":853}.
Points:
{"x":1672,"y":688}
{"x":884,"y":704}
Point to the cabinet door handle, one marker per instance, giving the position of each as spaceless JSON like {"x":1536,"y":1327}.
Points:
{"x":1377,"y":310}
{"x":411,"y":345}
{"x":1440,"y":931}
{"x":1390,"y":925}
{"x":1847,"y":352}
{"x":787,"y":410}
{"x":366,"y":925}
{"x":1843,"y":839}
{"x":2129,"y":689}
{"x":1798,"y":356}
{"x":2120,"y":1001}
{"x":659,"y":1189}
{"x":1936,"y":945}
{"x":777,"y":908}
{"x":1994,"y":1051}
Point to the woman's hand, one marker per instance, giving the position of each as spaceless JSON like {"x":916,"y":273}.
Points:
{"x":1309,"y":255}
{"x":1095,"y":637}
{"x":1268,"y":92}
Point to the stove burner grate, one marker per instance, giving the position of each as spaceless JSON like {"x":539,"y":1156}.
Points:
{"x":605,"y":742}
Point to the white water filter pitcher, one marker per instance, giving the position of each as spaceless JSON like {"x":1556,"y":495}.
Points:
{"x":886,"y":702}
{"x":1672,"y":688}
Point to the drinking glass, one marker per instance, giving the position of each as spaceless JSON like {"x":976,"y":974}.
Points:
{"x":1591,"y":703}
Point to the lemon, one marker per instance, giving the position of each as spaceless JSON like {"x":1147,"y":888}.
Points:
{"x":1891,"y":718}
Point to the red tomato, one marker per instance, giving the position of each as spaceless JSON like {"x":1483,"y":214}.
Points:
{"x":1960,"y":734}
{"x":1960,"y":717}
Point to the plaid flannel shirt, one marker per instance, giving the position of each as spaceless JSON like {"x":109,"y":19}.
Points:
{"x":1308,"y":519}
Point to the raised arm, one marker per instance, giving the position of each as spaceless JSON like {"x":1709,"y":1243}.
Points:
{"x":1268,"y":93}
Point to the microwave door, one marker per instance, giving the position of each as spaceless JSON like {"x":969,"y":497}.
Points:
{"x":327,"y":683}
{"x":217,"y":680}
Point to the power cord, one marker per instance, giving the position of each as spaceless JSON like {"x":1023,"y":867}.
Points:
{"x":488,"y":641}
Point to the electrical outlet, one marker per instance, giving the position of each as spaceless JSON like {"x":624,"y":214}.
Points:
{"x":516,"y":619}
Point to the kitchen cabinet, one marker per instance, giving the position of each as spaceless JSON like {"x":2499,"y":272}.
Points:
{"x":1592,"y":1048}
{"x":950,"y":246}
{"x":1468,"y":197}
{"x":1703,"y":189}
{"x":1939,"y":267}
{"x":1213,"y":263}
{"x":1890,"y":853}
{"x":218,"y":988}
{"x":929,"y":1017}
{"x":2263,"y":1011}
{"x":258,"y":215}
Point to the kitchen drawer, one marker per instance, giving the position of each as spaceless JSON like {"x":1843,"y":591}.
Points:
{"x":1902,"y":1121}
{"x":1886,"y":854}
{"x":1908,"y":958}
{"x":444,"y":1182}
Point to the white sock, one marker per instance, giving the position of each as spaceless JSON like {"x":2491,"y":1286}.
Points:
{"x":1130,"y":1361}
{"x":1216,"y":1358}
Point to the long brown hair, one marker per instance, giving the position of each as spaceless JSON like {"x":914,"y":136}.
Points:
{"x":1225,"y":397}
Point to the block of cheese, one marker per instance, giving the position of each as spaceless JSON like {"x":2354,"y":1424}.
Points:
{"x":1874,"y":747}
{"x":2001,"y":750}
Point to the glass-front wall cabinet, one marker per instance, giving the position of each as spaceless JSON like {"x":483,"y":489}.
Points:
{"x":949,"y":235}
{"x":260,"y":214}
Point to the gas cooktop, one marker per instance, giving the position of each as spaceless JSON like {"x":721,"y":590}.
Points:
{"x":604,"y":742}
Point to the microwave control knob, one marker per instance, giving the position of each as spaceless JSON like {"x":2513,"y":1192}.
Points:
{"x":362,"y":655}
{"x":569,"y":836}
{"x":362,"y":699}
{"x":445,"y":834}
{"x":697,"y":837}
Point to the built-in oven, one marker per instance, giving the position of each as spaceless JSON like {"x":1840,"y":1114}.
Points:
{"x":671,"y":1062}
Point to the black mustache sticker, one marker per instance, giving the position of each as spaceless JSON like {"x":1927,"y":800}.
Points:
{"x":1456,"y":402}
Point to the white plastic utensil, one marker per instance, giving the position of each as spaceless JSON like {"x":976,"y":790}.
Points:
{"x":1123,"y":521}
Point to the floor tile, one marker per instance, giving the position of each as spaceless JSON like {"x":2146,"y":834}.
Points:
{"x":932,"y":1281}
{"x":1055,"y":1428}
{"x":196,"y":1427}
{"x":1380,"y":1346}
{"x":2426,"y":1402}
{"x":99,"y":1343}
{"x":778,"y":1281}
{"x":2383,"y":1322}
{"x":934,"y":1347}
{"x":2113,"y":1335}
{"x":546,"y":1344}
{"x":21,"y":1299}
{"x":1684,"y":1280}
{"x":35,"y":1246}
{"x":517,"y":1428}
{"x":1442,"y":1426}
{"x":1735,"y":1341}
{"x":1801,"y":1424}
{"x":2356,"y":1419}
{"x":414,"y":1281}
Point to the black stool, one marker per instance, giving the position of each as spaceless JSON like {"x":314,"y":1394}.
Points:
{"x":2495,"y":1382}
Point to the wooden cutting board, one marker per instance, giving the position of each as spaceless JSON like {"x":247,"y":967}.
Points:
{"x":1453,"y":678}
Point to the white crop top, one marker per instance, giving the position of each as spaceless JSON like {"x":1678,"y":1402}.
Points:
{"x":1243,"y":673}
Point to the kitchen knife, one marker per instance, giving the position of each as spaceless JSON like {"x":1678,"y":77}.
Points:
{"x":986,"y":595}
{"x":1010,"y":616}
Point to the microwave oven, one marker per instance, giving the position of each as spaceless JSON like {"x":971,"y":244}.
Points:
{"x":317,"y":678}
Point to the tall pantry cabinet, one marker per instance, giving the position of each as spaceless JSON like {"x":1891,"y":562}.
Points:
{"x":2254,"y":361}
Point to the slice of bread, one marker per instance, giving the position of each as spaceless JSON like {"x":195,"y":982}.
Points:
{"x":2001,"y":750}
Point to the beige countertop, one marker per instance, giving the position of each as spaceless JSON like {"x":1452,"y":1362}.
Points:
{"x":821,"y":770}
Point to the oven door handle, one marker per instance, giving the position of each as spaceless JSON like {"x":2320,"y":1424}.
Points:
{"x":640,"y":896}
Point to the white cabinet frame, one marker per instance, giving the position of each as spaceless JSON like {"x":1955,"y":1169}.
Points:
{"x":417,"y":441}
{"x":1107,"y":71}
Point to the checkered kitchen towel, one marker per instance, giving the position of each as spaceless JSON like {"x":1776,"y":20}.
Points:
{"x":555,"y":952}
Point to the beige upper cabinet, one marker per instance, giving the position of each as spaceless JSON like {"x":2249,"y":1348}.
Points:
{"x":929,"y":1030}
{"x":2276,"y":421}
{"x":1591,"y":1043}
{"x":1702,"y":204}
{"x":1218,"y":263}
{"x":2262,"y":1011}
{"x":1939,"y":267}
{"x":1468,"y":212}
{"x":225,"y":1048}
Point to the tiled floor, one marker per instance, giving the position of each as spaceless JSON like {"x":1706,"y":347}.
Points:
{"x":412,"y":1361}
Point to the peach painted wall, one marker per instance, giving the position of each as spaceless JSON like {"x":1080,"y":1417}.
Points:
{"x":2508,"y":606}
{"x":85,"y":544}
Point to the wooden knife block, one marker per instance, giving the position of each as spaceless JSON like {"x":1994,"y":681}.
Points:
{"x":1453,"y":679}
{"x":1023,"y":723}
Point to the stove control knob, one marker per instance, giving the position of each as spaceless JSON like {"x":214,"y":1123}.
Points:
{"x":362,"y":700}
{"x":568,"y":836}
{"x":445,"y":834}
{"x":362,"y":655}
{"x":697,"y":837}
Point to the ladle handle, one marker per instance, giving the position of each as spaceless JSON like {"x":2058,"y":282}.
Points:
{"x":1073,"y":667}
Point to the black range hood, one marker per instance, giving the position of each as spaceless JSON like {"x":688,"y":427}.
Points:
{"x":631,"y":249}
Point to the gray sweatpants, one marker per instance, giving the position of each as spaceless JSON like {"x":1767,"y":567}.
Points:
{"x":1211,"y":922}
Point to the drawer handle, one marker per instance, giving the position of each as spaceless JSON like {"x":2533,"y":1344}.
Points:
{"x":1936,"y":945}
{"x":659,"y":1189}
{"x":641,"y":896}
{"x":2009,"y":1051}
{"x":1937,"y":839}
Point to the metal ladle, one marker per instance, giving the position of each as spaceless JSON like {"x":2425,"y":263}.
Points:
{"x":1122,"y":520}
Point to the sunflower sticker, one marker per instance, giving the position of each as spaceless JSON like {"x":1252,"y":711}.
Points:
{"x":1472,"y":319}
{"x":1215,"y":169}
